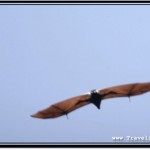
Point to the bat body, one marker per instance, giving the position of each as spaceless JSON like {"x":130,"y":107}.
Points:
{"x":95,"y":97}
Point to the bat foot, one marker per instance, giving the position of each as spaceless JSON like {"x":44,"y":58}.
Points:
{"x":67,"y":116}
{"x":129,"y":98}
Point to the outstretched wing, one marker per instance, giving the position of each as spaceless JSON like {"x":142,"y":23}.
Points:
{"x":63,"y":107}
{"x":126,"y":90}
{"x":67,"y":106}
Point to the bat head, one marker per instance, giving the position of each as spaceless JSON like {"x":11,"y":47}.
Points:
{"x":94,"y":91}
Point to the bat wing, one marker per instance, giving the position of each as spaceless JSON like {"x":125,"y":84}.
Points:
{"x":126,"y":90}
{"x":63,"y":107}
{"x":69,"y":105}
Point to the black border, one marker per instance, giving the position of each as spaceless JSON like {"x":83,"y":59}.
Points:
{"x":75,"y":2}
{"x":75,"y":145}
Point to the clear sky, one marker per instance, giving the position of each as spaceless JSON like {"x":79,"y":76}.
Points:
{"x":49,"y":53}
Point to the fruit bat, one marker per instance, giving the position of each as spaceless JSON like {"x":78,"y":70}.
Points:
{"x":93,"y":97}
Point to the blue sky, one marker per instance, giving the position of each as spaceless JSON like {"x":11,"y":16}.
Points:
{"x":49,"y":53}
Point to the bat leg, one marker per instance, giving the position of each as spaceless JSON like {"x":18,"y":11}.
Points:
{"x":67,"y":116}
{"x":129,"y":98}
{"x":65,"y":112}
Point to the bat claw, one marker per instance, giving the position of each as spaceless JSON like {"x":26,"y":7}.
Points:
{"x":67,"y":116}
{"x":129,"y":98}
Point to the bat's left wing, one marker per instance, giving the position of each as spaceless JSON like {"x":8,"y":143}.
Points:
{"x":126,"y":90}
{"x":63,"y":107}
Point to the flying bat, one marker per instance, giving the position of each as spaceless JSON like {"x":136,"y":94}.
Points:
{"x":93,"y":97}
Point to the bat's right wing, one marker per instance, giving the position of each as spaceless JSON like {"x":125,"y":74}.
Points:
{"x":63,"y":107}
